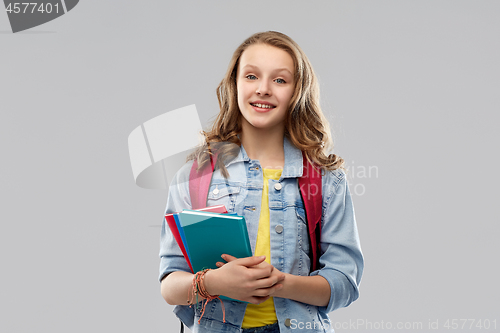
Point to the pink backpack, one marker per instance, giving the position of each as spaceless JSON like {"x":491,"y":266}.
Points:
{"x":310,"y":190}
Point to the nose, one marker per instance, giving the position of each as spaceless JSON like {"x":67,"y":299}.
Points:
{"x":263,"y":88}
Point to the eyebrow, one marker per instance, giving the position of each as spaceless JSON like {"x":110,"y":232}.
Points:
{"x":276,"y":70}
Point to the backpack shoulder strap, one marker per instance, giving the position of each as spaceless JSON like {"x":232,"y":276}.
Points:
{"x":199,"y":182}
{"x":311,"y":191}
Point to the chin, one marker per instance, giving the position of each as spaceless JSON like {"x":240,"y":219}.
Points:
{"x":263,"y":126}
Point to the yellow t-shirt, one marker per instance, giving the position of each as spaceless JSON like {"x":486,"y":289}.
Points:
{"x":263,"y":314}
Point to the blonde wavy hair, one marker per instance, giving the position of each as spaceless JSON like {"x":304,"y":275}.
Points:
{"x":305,"y":124}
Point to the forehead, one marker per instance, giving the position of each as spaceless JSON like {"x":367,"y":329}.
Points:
{"x":266,"y":57}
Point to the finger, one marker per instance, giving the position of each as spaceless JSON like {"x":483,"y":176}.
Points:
{"x":261,"y":265}
{"x":259,"y":273}
{"x":266,"y":283}
{"x":268,"y":291}
{"x":228,"y":257}
{"x":219,"y":264}
{"x":248,"y":261}
{"x":275,"y":288}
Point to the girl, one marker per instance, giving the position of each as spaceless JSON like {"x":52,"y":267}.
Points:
{"x":269,"y":115}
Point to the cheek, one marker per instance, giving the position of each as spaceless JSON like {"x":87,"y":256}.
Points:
{"x":289,"y":95}
{"x":242,"y":94}
{"x":239,"y":96}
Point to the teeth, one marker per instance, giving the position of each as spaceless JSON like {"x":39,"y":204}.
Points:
{"x":263,"y":106}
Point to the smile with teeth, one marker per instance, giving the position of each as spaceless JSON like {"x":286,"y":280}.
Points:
{"x":263,"y":106}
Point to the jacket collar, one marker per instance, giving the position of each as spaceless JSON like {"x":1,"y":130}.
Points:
{"x":293,"y":159}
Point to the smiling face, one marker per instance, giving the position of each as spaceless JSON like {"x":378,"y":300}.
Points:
{"x":265,"y":85}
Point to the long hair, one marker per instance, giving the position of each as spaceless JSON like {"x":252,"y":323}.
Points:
{"x":305,"y":124}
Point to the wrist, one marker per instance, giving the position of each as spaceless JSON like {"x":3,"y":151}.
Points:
{"x":200,"y":289}
{"x":210,"y":282}
{"x":287,"y":283}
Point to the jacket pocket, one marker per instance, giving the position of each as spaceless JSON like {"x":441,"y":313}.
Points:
{"x":221,"y":194}
{"x":221,"y":190}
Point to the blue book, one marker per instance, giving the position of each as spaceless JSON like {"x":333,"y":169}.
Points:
{"x":181,"y":230}
{"x":209,"y":235}
{"x":181,"y":234}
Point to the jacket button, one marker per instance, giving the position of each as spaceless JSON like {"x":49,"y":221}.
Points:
{"x":216,"y":191}
{"x":277,"y":186}
{"x":279,"y":228}
{"x":287,"y":322}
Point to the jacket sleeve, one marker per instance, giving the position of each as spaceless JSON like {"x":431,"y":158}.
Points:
{"x":341,"y":261}
{"x":171,"y":257}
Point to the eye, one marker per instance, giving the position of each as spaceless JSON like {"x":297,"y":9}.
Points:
{"x":280,"y":81}
{"x":251,"y":77}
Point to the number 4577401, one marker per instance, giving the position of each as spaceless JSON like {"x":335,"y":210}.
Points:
{"x":455,"y":324}
{"x":24,"y":7}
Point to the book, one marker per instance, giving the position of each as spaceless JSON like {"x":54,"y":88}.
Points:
{"x":176,"y":229}
{"x":183,"y":238}
{"x":208,"y":235}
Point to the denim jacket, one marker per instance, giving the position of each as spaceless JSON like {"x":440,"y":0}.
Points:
{"x":341,"y":260}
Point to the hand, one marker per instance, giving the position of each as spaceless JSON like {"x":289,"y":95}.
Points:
{"x":275,"y":272}
{"x":247,"y":279}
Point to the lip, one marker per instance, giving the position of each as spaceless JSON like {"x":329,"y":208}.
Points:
{"x":262,"y":109}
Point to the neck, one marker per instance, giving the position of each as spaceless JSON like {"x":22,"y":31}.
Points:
{"x":264,"y":145}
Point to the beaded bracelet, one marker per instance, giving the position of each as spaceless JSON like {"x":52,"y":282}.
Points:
{"x":198,"y":288}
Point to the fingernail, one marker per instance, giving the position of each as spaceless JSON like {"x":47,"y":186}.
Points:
{"x":223,"y":256}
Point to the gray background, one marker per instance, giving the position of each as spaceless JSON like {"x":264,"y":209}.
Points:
{"x":411,"y":88}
